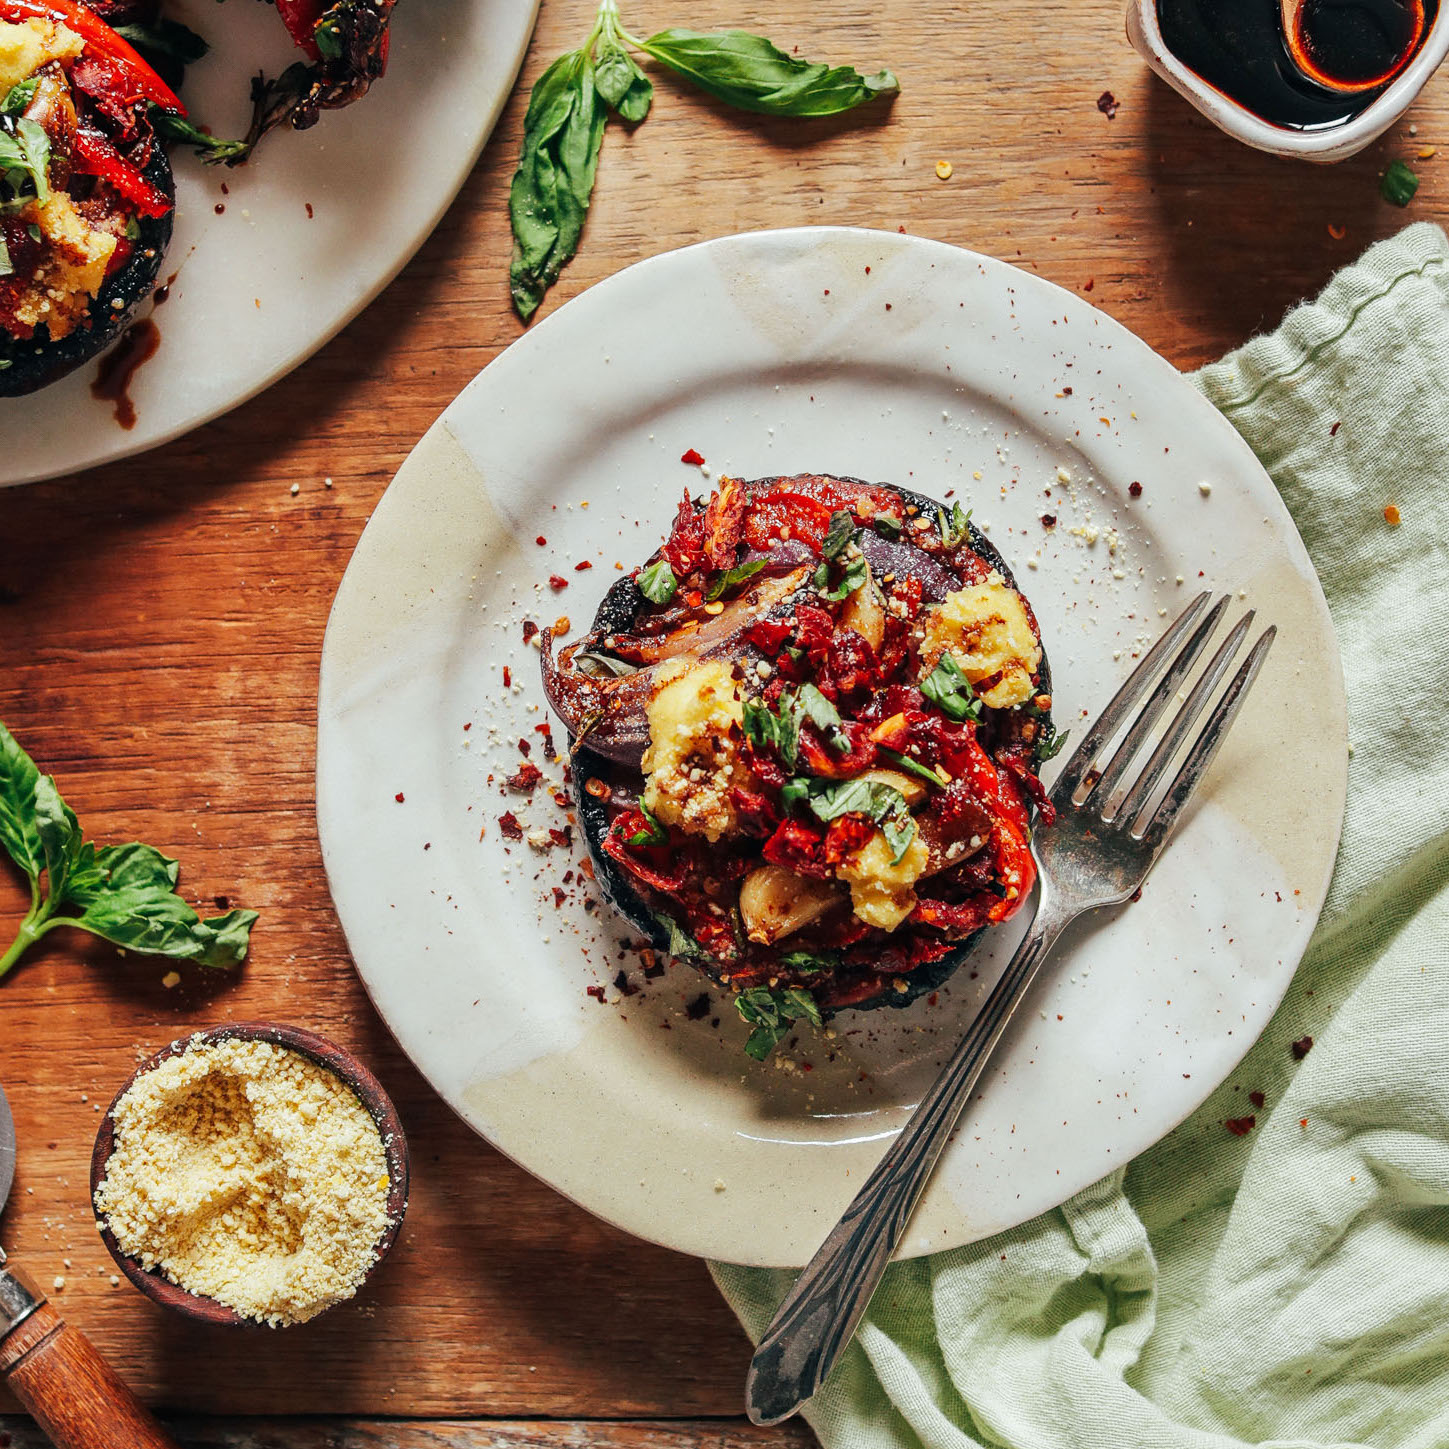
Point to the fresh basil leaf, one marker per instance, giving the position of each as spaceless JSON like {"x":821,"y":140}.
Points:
{"x":681,"y":943}
{"x":950,"y":691}
{"x":839,"y":534}
{"x":19,"y":96}
{"x":35,"y":233}
{"x":18,"y":832}
{"x":1049,"y":749}
{"x":60,"y":837}
{"x":214,"y":150}
{"x":654,"y":833}
{"x":732,"y":577}
{"x":954,"y":526}
{"x":810,"y":961}
{"x":886,"y":526}
{"x":794,"y":792}
{"x":328,"y":36}
{"x":1399,"y":184}
{"x":824,"y":716}
{"x":912,"y":767}
{"x":657,"y":583}
{"x":562,"y":132}
{"x":856,"y":573}
{"x":159,"y":923}
{"x":750,"y":72}
{"x":777,"y":729}
{"x":623,"y":87}
{"x":35,"y":147}
{"x":899,"y":831}
{"x":772,"y":1013}
{"x":7,"y":267}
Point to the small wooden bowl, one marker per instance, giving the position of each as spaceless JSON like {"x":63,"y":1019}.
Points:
{"x":329,"y":1057}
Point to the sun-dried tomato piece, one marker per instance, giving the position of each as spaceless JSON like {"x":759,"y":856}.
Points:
{"x":755,"y":811}
{"x":769,"y":635}
{"x":845,"y":836}
{"x":783,"y":514}
{"x":724,"y":522}
{"x":797,"y":847}
{"x":684,"y":548}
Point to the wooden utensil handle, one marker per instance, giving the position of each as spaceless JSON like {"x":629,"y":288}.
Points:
{"x":72,"y":1392}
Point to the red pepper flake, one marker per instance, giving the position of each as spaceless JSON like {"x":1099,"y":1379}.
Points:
{"x":467,"y":727}
{"x":529,"y":630}
{"x":525,"y":748}
{"x":1048,"y":520}
{"x":1301,"y":1048}
{"x":526,"y":780}
{"x":398,"y":797}
{"x":1089,"y":284}
{"x":1135,"y":489}
{"x":508,"y":824}
{"x":507,"y":677}
{"x":564,"y":837}
{"x":1108,"y":104}
{"x":1333,"y":431}
{"x":1303,"y":1123}
{"x":557,"y":581}
{"x":560,"y":895}
{"x":693,"y":457}
{"x":1240,"y":1126}
{"x":582,"y":566}
{"x":560,"y":799}
{"x":1257,"y":1099}
{"x":1066,"y":392}
{"x":541,"y":541}
{"x":597,"y":992}
{"x":598,"y":788}
{"x":698,"y":1009}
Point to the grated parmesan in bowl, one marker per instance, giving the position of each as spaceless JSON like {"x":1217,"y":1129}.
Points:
{"x":250,"y":1174}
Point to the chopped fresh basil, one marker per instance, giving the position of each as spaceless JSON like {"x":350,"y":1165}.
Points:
{"x":654,"y":834}
{"x":1049,"y":749}
{"x":881,"y":803}
{"x":25,"y":154}
{"x":328,"y":36}
{"x":657,"y":583}
{"x":886,"y":526}
{"x":795,"y":792}
{"x":1399,"y":184}
{"x":7,"y":267}
{"x":681,"y":943}
{"x":36,"y":235}
{"x":772,"y":1012}
{"x":954,"y":525}
{"x":839,"y":534}
{"x":731,"y":577}
{"x":912,"y":767}
{"x":810,"y":961}
{"x":19,"y":96}
{"x":775,"y":729}
{"x":212,"y":149}
{"x":950,"y":691}
{"x":125,"y":894}
{"x":856,"y":573}
{"x":824,"y":716}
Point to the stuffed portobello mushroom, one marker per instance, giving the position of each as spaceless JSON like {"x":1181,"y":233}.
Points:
{"x":86,"y":195}
{"x":806,"y":741}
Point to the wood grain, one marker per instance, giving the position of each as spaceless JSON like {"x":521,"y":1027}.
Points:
{"x":161,"y":624}
{"x":456,"y":1434}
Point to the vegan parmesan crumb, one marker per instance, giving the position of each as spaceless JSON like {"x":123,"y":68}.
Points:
{"x":247,"y":1173}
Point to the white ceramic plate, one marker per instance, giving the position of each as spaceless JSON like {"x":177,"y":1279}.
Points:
{"x":262,"y":285}
{"x":885,"y":357}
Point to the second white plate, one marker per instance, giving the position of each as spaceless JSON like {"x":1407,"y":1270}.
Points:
{"x":884,"y":357}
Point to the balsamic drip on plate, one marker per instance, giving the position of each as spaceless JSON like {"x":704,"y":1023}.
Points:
{"x":1336,"y":58}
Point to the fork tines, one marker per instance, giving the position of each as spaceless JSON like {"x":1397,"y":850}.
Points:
{"x":1081,"y":785}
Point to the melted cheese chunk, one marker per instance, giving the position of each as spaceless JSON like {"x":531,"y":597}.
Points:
{"x":73,"y":271}
{"x":695,"y":728}
{"x":986,"y":631}
{"x":27,"y":46}
{"x":880,"y":889}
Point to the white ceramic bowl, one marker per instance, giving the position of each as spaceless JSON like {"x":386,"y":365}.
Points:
{"x":1333,"y":143}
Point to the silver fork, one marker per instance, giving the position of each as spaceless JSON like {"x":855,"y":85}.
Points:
{"x":1097,"y":854}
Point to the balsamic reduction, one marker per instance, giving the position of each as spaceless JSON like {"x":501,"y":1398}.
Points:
{"x":1339,"y":56}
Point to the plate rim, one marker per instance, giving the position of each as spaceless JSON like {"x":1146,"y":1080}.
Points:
{"x":283,"y":367}
{"x":1118,"y":334}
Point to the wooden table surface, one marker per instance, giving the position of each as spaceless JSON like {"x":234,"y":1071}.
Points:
{"x":161,"y":625}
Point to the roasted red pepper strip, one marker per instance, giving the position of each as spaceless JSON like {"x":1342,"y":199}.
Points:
{"x":301,"y":17}
{"x":94,"y":31}
{"x":95,"y":156}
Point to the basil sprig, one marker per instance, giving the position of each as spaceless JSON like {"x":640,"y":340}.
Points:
{"x":772,"y":1012}
{"x":564,"y":126}
{"x":950,"y":691}
{"x":779,"y":728}
{"x":214,"y":150}
{"x":125,"y":894}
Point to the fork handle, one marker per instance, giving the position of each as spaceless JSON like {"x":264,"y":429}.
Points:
{"x":820,"y":1315}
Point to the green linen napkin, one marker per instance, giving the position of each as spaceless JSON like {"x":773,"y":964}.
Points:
{"x":1290,"y":1287}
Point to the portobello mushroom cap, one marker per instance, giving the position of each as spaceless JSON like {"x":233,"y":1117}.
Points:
{"x":616,"y":614}
{"x":36,"y":362}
